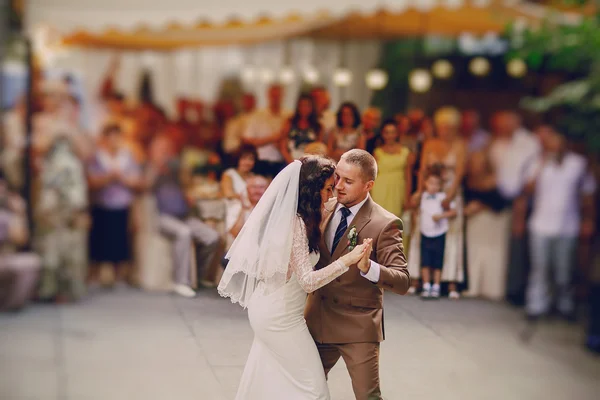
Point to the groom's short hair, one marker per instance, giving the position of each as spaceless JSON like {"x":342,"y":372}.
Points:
{"x":365,"y":161}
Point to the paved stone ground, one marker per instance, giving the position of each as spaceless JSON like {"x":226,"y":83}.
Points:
{"x":129,"y":345}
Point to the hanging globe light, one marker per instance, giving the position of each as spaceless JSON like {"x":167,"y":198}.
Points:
{"x":420,"y":80}
{"x":248,"y":74}
{"x":376,"y":79}
{"x":311,"y":75}
{"x":267,"y":76}
{"x":342,"y":77}
{"x":516,"y":68}
{"x":287,"y":75}
{"x":442,"y":69}
{"x":479,"y":66}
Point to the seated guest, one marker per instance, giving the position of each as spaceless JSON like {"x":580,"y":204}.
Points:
{"x":175,"y":220}
{"x":257,"y":185}
{"x":206,"y":194}
{"x":19,"y":272}
{"x":233,"y":184}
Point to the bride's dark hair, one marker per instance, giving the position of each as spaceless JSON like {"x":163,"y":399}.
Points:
{"x":314,"y":172}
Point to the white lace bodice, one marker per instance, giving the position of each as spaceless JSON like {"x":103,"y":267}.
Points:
{"x":302,"y":263}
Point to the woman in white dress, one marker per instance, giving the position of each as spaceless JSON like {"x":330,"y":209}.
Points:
{"x":234,"y":187}
{"x":271,"y":270}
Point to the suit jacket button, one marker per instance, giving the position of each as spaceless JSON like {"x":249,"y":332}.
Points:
{"x":322,"y":297}
{"x":335,"y":300}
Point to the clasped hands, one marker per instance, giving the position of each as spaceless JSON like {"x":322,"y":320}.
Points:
{"x":360,"y":256}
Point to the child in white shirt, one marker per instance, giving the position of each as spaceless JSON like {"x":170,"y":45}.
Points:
{"x":433,"y":227}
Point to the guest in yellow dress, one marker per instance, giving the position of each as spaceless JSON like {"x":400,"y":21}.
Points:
{"x":393,"y":185}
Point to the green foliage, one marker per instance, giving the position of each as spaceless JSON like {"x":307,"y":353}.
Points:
{"x":574,"y":49}
{"x":398,"y":59}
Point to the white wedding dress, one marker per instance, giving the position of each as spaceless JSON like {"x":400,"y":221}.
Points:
{"x":284,"y":362}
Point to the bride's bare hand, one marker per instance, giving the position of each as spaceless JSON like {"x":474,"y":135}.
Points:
{"x":356,"y":254}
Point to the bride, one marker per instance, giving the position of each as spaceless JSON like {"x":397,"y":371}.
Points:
{"x":270,"y":271}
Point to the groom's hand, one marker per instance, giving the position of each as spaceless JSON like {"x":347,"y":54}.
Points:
{"x":365,"y":262}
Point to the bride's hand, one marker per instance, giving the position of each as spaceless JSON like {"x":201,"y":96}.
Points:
{"x":365,"y":262}
{"x":355,"y":255}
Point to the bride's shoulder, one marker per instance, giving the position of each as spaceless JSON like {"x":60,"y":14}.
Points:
{"x":299,"y":222}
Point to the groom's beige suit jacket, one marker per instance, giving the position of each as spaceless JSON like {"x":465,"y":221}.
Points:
{"x":350,"y":309}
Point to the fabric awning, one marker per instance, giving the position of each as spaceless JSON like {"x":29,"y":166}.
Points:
{"x":108,"y":24}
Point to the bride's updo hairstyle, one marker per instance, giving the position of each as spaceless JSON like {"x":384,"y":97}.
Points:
{"x":314,"y":172}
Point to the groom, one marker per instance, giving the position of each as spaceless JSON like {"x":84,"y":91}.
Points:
{"x":345,"y":317}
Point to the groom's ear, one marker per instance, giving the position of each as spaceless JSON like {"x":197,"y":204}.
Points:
{"x":369,"y":185}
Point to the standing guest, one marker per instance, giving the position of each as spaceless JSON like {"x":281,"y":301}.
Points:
{"x":61,"y":209}
{"x":477,"y":138}
{"x":434,"y":225}
{"x":487,"y":229}
{"x":175,"y":220}
{"x":563,"y":195}
{"x":114,"y":177}
{"x":302,"y":129}
{"x":512,"y":150}
{"x":235,"y":127}
{"x":346,"y":135}
{"x":393,"y":183}
{"x":264,"y":133}
{"x":449,"y":151}
{"x":371,"y":119}
{"x":322,"y":101}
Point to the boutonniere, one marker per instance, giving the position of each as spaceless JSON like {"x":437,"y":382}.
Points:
{"x":352,"y":237}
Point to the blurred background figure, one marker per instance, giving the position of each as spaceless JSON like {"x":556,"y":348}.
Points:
{"x":393,"y":183}
{"x":264,"y":133}
{"x":556,"y":223}
{"x":302,"y":129}
{"x":236,"y":126}
{"x":371,"y":119}
{"x":346,"y":135}
{"x":322,"y":102}
{"x":448,"y":151}
{"x":62,"y":204}
{"x":19,"y":270}
{"x":114,"y":178}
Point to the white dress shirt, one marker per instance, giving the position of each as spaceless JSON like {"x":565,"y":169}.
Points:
{"x":374,"y":271}
{"x":263,"y":124}
{"x":511,"y":159}
{"x":234,"y":129}
{"x":431,"y":204}
{"x":558,"y":190}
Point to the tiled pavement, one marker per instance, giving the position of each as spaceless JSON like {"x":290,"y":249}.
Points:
{"x":129,"y":345}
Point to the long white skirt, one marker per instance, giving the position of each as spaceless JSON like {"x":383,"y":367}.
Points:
{"x":284,"y":362}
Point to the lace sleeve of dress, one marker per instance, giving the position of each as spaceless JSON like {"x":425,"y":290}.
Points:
{"x":309,"y":279}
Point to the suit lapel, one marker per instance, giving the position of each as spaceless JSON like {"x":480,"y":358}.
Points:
{"x":363,"y":217}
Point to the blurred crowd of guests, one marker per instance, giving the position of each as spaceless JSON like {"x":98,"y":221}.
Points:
{"x":503,"y":213}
